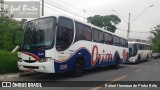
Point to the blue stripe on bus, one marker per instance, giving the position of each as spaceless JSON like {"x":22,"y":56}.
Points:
{"x":84,"y":53}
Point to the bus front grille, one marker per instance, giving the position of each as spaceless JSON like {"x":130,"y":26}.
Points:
{"x":31,"y":67}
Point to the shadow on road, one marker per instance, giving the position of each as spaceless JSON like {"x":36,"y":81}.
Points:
{"x":65,"y":76}
{"x":145,"y":61}
{"x":101,"y":69}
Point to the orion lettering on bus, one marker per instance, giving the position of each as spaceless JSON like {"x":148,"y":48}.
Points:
{"x":101,"y":57}
{"x":124,"y":54}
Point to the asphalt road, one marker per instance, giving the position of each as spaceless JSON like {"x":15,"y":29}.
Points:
{"x":145,"y":71}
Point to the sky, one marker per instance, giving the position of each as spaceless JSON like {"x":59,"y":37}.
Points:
{"x":143,"y":18}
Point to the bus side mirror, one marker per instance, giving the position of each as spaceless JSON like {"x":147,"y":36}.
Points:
{"x":17,"y":35}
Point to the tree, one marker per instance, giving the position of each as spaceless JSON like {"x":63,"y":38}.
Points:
{"x":156,"y":39}
{"x":107,"y":22}
{"x":7,"y":27}
{"x":23,"y":21}
{"x":2,"y":11}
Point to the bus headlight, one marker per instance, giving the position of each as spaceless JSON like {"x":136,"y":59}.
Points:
{"x":46,"y":59}
{"x":19,"y":59}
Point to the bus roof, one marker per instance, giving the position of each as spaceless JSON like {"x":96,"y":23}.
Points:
{"x":133,"y":42}
{"x":91,"y":25}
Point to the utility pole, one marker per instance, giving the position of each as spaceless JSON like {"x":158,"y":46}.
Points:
{"x":42,"y":7}
{"x":129,"y":22}
{"x":129,"y":17}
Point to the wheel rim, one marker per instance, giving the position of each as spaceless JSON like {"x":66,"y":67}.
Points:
{"x":77,"y":68}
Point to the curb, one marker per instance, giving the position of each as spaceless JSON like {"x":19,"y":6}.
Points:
{"x":26,"y":74}
{"x":17,"y":75}
{"x":9,"y":76}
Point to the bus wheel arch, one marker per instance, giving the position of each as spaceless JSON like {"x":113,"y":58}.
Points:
{"x":78,"y":67}
{"x":138,"y":59}
{"x":117,"y":62}
{"x":148,"y":56}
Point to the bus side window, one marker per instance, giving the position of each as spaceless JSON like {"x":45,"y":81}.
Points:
{"x":79,"y":31}
{"x":111,"y":39}
{"x":83,"y":32}
{"x":95,"y":35}
{"x":145,"y":47}
{"x":65,"y":33}
{"x":122,"y":42}
{"x":107,"y":38}
{"x":100,"y":34}
{"x":116,"y":41}
{"x":88,"y":32}
{"x":141,"y":47}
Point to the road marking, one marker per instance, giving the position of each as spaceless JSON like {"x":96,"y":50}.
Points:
{"x":138,"y":70}
{"x":117,"y":79}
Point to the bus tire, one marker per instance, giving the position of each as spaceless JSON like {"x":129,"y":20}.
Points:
{"x":138,"y":59}
{"x":148,"y":57}
{"x":116,"y":66}
{"x":78,"y":68}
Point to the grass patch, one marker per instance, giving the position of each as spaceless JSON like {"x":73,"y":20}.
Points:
{"x":8,"y":62}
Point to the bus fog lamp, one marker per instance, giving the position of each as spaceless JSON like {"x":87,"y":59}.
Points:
{"x":19,"y":59}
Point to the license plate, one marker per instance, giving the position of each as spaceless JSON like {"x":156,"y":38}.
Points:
{"x":31,"y":70}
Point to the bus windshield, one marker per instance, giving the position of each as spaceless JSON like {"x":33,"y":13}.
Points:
{"x":39,"y":33}
{"x":132,"y":49}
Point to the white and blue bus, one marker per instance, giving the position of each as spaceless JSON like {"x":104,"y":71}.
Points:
{"x":139,"y":51}
{"x":57,"y":44}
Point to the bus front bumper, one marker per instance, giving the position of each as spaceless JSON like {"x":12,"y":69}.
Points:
{"x":132,"y":60}
{"x":45,"y":67}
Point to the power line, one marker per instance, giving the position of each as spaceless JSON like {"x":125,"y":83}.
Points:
{"x":141,"y":13}
{"x":50,"y":8}
{"x":139,"y":32}
{"x":71,"y":6}
{"x":133,"y":31}
{"x":121,"y":29}
{"x":120,"y":16}
{"x":68,"y":5}
{"x":54,"y":9}
{"x":78,"y":15}
{"x":62,"y":9}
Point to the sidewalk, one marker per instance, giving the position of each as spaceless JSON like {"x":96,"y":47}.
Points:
{"x":16,"y":75}
{"x":9,"y":76}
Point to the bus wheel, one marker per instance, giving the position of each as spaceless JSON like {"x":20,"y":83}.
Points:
{"x":116,"y":66}
{"x":138,"y":60}
{"x":148,"y":57}
{"x":78,"y":69}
